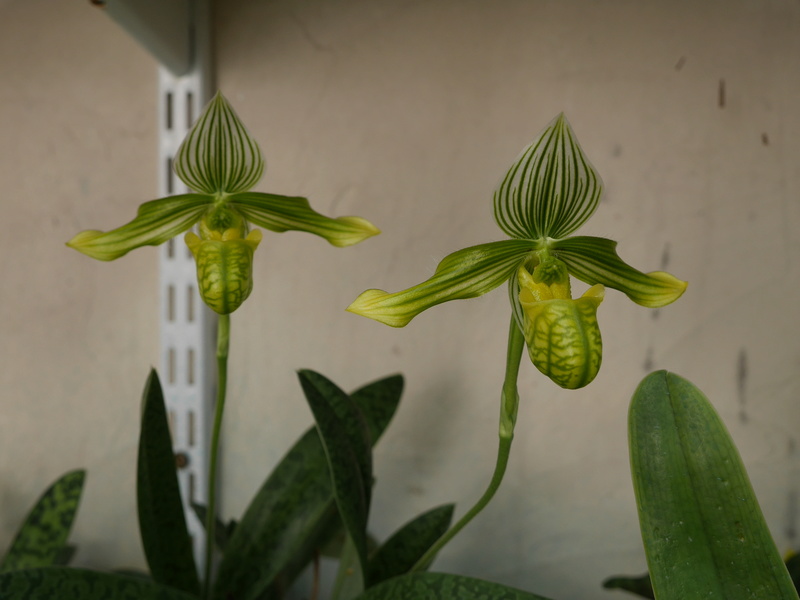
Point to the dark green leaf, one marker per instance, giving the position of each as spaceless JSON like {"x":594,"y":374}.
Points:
{"x":350,"y":577}
{"x":65,"y":555}
{"x":635,"y":585}
{"x":41,"y":539}
{"x":441,"y":586}
{"x":334,"y":547}
{"x":353,"y":421}
{"x":162,"y":522}
{"x":222,"y":532}
{"x":77,"y":584}
{"x":293,"y":516}
{"x":378,"y":402}
{"x":292,"y":513}
{"x":793,"y":566}
{"x":703,"y":531}
{"x":402,"y":551}
{"x":338,"y":434}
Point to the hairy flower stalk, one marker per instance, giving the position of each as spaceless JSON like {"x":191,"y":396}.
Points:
{"x":548,"y":193}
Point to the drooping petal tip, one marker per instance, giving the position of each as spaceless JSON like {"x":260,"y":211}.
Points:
{"x":378,"y":305}
{"x":286,"y":213}
{"x":595,"y":260}
{"x":466,"y":273}
{"x":354,"y":230}
{"x":82,"y":242}
{"x":665,"y":289}
{"x":156,"y":222}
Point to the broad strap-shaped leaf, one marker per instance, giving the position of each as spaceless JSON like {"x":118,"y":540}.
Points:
{"x":156,"y":222}
{"x":353,"y":421}
{"x":595,"y":260}
{"x":294,"y":515}
{"x":703,"y":531}
{"x":65,"y":556}
{"x":442,"y":586}
{"x":79,"y":584}
{"x":350,"y":576}
{"x":467,"y":273}
{"x":640,"y":586}
{"x":42,"y":539}
{"x":218,"y":156}
{"x":378,"y":402}
{"x":349,"y":484}
{"x":550,"y":190}
{"x":793,"y":566}
{"x":289,"y":213}
{"x":162,"y":523}
{"x":408,"y":544}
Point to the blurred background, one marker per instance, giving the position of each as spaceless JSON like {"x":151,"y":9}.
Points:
{"x":408,"y":113}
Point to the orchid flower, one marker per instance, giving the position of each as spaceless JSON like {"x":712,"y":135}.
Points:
{"x":221,"y":163}
{"x":547,"y":194}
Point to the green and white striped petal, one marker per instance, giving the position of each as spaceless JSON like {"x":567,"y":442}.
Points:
{"x":156,"y":222}
{"x":218,"y":156}
{"x":550,"y":190}
{"x":285,"y":213}
{"x":468,"y":273}
{"x":595,"y":260}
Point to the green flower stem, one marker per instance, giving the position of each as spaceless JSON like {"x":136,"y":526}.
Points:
{"x":509,"y":403}
{"x":223,"y":342}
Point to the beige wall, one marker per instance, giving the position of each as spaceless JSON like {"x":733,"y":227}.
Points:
{"x":408,"y":113}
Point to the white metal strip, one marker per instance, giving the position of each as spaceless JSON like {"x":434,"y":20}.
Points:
{"x":188,"y":327}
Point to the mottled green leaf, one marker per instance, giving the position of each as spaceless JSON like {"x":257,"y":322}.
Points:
{"x":550,"y":190}
{"x":294,"y":515}
{"x":42,"y":538}
{"x":156,"y":222}
{"x":53,"y":583}
{"x":408,"y":544}
{"x":703,"y":530}
{"x":218,"y":155}
{"x":441,"y":586}
{"x":162,"y":522}
{"x":64,"y":556}
{"x":353,"y":421}
{"x":640,"y":586}
{"x":293,"y":512}
{"x":467,"y":273}
{"x":292,"y":213}
{"x":350,"y":576}
{"x":349,"y":483}
{"x":378,"y":402}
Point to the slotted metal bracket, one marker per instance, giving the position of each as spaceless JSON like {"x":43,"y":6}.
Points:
{"x":178,"y":34}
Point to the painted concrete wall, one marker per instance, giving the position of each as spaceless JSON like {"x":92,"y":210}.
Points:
{"x":408,"y":113}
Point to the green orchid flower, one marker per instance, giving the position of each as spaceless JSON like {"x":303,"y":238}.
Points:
{"x":547,"y":194}
{"x":221,"y":163}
